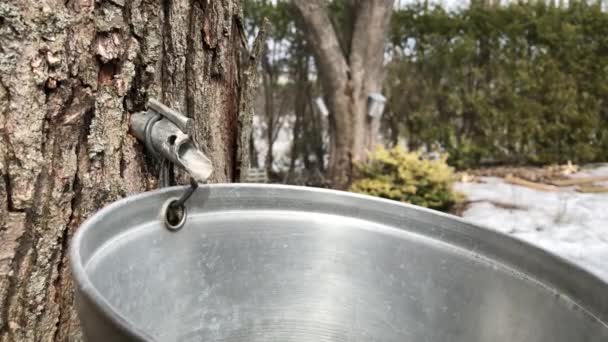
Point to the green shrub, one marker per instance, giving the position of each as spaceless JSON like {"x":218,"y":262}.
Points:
{"x":519,"y":83}
{"x":404,"y":176}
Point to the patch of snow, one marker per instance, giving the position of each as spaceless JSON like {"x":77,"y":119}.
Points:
{"x":567,"y":223}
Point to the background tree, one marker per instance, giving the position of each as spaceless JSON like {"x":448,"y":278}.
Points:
{"x":307,"y":159}
{"x":350,"y":65}
{"x":519,"y":83}
{"x":285,"y":99}
{"x":274,"y":94}
{"x":71,"y":73}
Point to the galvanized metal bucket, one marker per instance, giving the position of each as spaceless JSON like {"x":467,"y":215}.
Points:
{"x":280,"y":263}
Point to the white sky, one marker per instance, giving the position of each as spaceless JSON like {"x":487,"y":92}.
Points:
{"x":449,"y":4}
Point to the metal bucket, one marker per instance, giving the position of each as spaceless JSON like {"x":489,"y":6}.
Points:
{"x":279,"y":263}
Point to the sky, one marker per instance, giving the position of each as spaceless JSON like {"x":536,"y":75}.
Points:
{"x":449,"y":4}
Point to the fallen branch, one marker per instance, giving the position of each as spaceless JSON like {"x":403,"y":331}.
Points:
{"x":592,"y":189}
{"x":461,"y":207}
{"x":578,"y":181}
{"x":532,"y":185}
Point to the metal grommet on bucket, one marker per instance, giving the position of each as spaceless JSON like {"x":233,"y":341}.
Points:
{"x":173,"y":214}
{"x":174,"y":211}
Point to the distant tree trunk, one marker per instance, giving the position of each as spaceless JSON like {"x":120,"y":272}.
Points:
{"x":348,"y":77}
{"x":253,"y":153}
{"x":316,"y":126}
{"x":71,"y":73}
{"x":300,"y":98}
{"x":269,"y":112}
{"x":295,"y":144}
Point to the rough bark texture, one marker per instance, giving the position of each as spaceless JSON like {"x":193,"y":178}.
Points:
{"x":348,"y":77}
{"x":71,"y":73}
{"x":251,"y":80}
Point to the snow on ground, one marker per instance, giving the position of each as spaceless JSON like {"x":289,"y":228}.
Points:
{"x":567,"y":223}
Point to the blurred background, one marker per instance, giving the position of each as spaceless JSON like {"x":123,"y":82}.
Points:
{"x":493,"y":110}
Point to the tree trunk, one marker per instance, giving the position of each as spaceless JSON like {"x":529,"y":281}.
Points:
{"x":71,"y":73}
{"x":269,"y":114}
{"x":348,"y":77}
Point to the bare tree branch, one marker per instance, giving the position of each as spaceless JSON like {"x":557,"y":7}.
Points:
{"x":367,"y":47}
{"x":324,"y":42}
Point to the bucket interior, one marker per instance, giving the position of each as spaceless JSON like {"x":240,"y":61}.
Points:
{"x":287,"y":274}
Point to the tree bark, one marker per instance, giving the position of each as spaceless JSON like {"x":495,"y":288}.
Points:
{"x":71,"y":73}
{"x":348,"y":77}
{"x":269,"y":114}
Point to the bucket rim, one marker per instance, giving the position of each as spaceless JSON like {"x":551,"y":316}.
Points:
{"x":574,"y":274}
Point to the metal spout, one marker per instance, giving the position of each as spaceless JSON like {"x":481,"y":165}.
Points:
{"x":172,"y":143}
{"x":183,"y":122}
